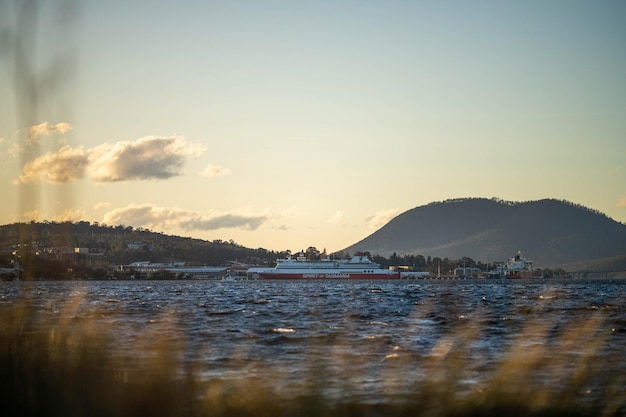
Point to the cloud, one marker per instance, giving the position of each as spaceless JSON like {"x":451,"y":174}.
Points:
{"x":15,"y":150}
{"x":621,"y":203}
{"x":336,"y":218}
{"x":214,"y":171}
{"x":146,"y":158}
{"x":46,"y":129}
{"x":143,"y":215}
{"x":223,"y":221}
{"x":70,"y":215}
{"x":173,"y":218}
{"x":101,"y":205}
{"x":33,"y":215}
{"x":58,"y":167}
{"x":380,"y":218}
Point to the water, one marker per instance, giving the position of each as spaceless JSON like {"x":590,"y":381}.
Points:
{"x":366,"y":339}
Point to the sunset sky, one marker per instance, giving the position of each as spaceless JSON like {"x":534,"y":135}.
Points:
{"x":288,"y":124}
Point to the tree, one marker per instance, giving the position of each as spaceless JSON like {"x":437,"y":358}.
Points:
{"x":436,"y":265}
{"x":312,"y":254}
{"x":382,"y":261}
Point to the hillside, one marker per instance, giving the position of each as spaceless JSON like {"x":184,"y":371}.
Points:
{"x":550,"y":232}
{"x":617,"y":263}
{"x":123,"y":244}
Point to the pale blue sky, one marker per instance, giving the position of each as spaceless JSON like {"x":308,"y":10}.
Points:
{"x":289,"y":124}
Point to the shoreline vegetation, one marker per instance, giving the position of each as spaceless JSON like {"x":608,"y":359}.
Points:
{"x":67,"y":365}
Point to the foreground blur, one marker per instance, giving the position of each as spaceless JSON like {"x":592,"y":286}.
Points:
{"x":272,"y":348}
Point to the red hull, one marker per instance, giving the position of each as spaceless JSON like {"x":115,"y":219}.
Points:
{"x":345,"y":276}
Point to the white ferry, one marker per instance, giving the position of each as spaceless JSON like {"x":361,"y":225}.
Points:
{"x":359,"y":267}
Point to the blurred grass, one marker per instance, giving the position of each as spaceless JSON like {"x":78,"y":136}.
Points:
{"x":64,"y":365}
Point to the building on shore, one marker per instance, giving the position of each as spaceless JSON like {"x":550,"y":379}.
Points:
{"x":83,"y":257}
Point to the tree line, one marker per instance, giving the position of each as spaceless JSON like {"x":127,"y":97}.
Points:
{"x":35,"y":247}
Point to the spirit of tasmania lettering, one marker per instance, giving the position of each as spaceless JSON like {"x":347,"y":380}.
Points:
{"x":325,"y":276}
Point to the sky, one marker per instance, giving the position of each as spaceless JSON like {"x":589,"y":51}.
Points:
{"x":283,"y":125}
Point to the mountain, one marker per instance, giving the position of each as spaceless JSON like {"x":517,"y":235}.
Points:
{"x":550,"y":232}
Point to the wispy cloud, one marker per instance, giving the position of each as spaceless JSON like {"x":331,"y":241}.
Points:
{"x":216,"y":221}
{"x":67,"y":215}
{"x":380,"y":218}
{"x":33,"y":215}
{"x":174,"y":218}
{"x":214,"y":171}
{"x":46,"y":129}
{"x":101,"y":205}
{"x":621,"y":203}
{"x":282,"y":215}
{"x":17,"y":146}
{"x":14,"y":150}
{"x":147,"y":158}
{"x":70,"y":215}
{"x":337,"y":217}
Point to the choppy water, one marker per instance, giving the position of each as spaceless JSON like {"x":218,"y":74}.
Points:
{"x":365,"y":339}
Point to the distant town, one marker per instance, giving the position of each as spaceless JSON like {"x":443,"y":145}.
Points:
{"x":86,"y":251}
{"x":37,"y":262}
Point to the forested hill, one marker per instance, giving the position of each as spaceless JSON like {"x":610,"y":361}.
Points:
{"x":550,"y":232}
{"x":124,"y":244}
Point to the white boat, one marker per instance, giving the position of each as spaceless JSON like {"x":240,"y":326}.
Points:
{"x":359,"y":267}
{"x":518,"y":267}
{"x":147,"y":269}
